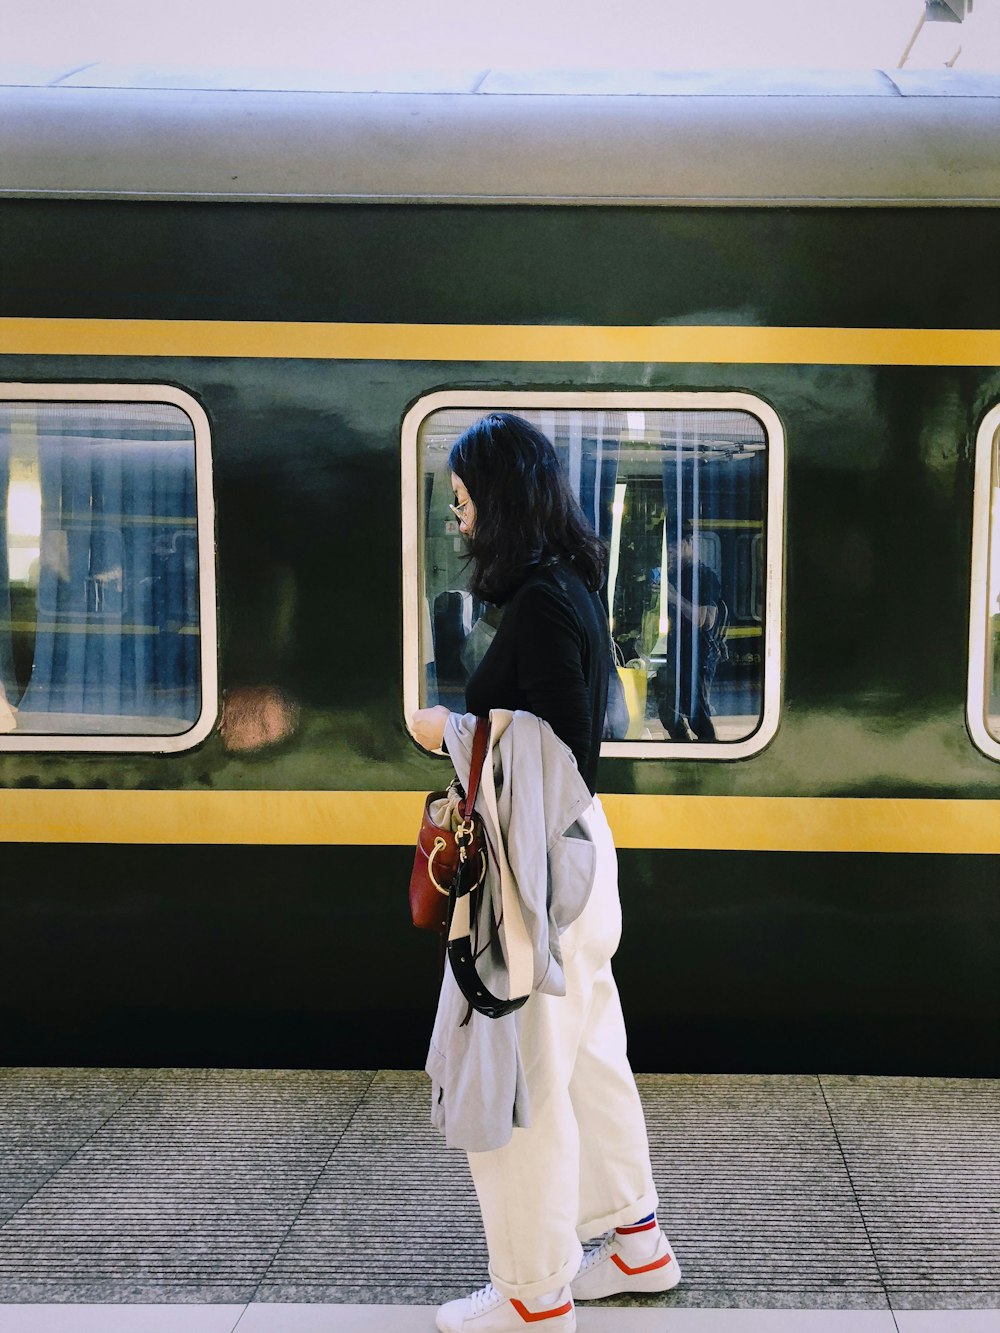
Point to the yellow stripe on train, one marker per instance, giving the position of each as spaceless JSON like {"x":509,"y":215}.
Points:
{"x":388,"y":818}
{"x":715,"y":344}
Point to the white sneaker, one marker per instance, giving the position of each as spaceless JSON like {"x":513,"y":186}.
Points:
{"x":487,"y":1311}
{"x":605,"y":1272}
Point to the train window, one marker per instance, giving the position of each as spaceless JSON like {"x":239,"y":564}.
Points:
{"x":686,"y":490}
{"x":107,"y":595}
{"x":984,"y":623}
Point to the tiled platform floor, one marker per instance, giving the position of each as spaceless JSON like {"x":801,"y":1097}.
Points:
{"x":302,"y":1200}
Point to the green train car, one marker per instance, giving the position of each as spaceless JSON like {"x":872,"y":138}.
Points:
{"x":238,"y":331}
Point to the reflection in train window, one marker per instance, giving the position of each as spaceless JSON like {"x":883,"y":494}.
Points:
{"x":984,"y":636}
{"x":100,"y":612}
{"x":681,"y":498}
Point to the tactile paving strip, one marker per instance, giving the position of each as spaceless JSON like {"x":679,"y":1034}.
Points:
{"x":61,"y":1107}
{"x":280,"y":1186}
{"x":924,"y":1159}
{"x":186,"y":1192}
{"x":755,"y":1197}
{"x":394,"y":1218}
{"x":754,"y":1194}
{"x":46,"y":1115}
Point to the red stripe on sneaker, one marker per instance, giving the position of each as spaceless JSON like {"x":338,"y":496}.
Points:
{"x":646,"y":1268}
{"x":530,"y":1318}
{"x":630,"y":1231}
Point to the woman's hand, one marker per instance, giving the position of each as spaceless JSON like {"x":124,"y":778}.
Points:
{"x":427,"y":725}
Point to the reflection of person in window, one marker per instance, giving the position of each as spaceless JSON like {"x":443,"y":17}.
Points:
{"x":684,"y":682}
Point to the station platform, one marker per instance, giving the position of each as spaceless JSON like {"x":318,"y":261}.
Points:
{"x":322,"y":1201}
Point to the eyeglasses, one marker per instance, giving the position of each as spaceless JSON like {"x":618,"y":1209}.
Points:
{"x":459,"y":510}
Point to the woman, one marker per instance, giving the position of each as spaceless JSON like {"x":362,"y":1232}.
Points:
{"x":582,"y":1167}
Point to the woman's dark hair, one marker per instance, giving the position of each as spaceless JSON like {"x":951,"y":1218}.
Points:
{"x":525,"y":510}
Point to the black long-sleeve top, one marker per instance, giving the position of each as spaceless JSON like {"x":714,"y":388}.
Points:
{"x":550,"y":656}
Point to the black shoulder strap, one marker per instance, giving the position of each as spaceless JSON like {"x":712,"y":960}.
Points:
{"x":463,"y":964}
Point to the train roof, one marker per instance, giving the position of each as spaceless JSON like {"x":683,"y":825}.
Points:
{"x":779,"y":138}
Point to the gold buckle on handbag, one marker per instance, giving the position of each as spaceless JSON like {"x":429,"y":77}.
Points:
{"x":439,"y":846}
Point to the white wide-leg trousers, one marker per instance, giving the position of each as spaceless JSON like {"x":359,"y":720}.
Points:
{"x":582,"y":1167}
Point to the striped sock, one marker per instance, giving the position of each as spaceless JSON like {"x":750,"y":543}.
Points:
{"x":639,"y":1239}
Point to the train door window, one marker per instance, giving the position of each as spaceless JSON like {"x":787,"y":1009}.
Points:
{"x":107,"y":590}
{"x":983,"y":708}
{"x":686,"y":491}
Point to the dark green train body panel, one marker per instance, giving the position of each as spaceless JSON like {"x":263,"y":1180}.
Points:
{"x":281,"y":957}
{"x":733,"y":960}
{"x":874,"y":267}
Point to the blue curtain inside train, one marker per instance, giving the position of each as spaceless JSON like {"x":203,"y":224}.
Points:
{"x":116,"y":635}
{"x":714,"y":488}
{"x":587,"y":445}
{"x":599,"y":472}
{"x":589,"y":453}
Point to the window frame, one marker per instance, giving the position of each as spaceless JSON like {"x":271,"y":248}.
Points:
{"x":773,"y":637}
{"x":980,"y":641}
{"x":168,"y":394}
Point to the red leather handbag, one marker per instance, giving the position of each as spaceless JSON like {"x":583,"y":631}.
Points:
{"x":451,"y":834}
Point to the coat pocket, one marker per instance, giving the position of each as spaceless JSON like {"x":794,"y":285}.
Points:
{"x":572,"y":868}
